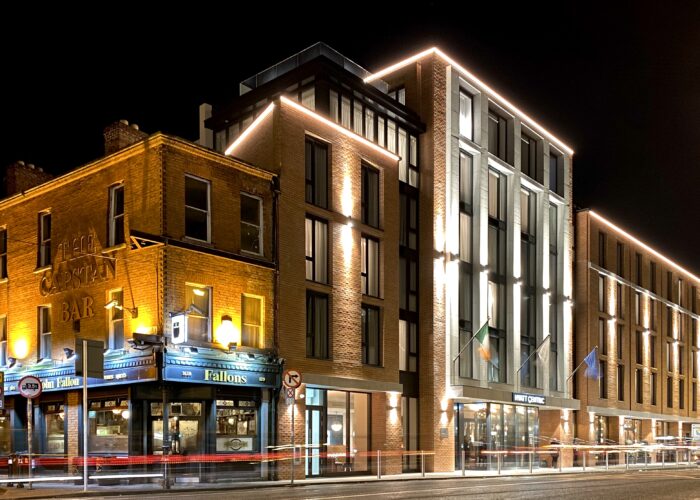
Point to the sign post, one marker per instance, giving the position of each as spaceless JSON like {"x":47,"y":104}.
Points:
{"x":30,"y":388}
{"x":291,"y":379}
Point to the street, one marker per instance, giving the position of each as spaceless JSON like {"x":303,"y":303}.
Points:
{"x":676,"y":484}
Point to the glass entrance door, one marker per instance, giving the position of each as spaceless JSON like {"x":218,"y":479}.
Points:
{"x":314,"y":440}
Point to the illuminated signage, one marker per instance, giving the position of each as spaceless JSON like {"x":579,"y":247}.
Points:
{"x":528,"y":399}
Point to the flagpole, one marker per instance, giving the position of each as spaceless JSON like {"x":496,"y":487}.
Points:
{"x":517,"y":378}
{"x":579,"y":366}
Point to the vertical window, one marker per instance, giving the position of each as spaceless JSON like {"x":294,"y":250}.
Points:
{"x":652,"y":388}
{"x":603,"y":380}
{"x":528,"y":309}
{"x":497,"y":279}
{"x":556,"y":173}
{"x":529,"y":155}
{"x":639,"y":348}
{"x":669,"y":392}
{"x":602,"y":337}
{"x":3,"y":253}
{"x":345,"y":117}
{"x":408,"y":284}
{"x":317,"y":173}
{"x":116,"y":215}
{"x":652,"y":276}
{"x":408,"y":346}
{"x":638,"y":260}
{"x":652,"y":351}
{"x":251,"y":224}
{"x":466,"y":115}
{"x":369,"y":124}
{"x":602,"y":247}
{"x":334,"y":103}
{"x":669,"y":285}
{"x":654,"y":314}
{"x":381,"y":131}
{"x":694,"y":396}
{"x":3,"y":341}
{"x":198,"y":299}
{"x":357,"y":117}
{"x":620,"y":254}
{"x":371,"y":336}
{"x":620,"y":338}
{"x":403,"y":155}
{"x":679,"y":293}
{"x":44,"y":239}
{"x":251,"y":321}
{"x":620,"y":382}
{"x":316,"y":325}
{"x":197,"y":224}
{"x":44,"y":327}
{"x":620,"y":301}
{"x":116,"y":320}
{"x":637,"y":308}
{"x":370,"y":266}
{"x":498,"y":136}
{"x":391,"y":139}
{"x":408,"y":232}
{"x":638,"y":385}
{"x":316,"y":250}
{"x":602,"y":295}
{"x":413,"y":161}
{"x":370,"y":196}
{"x":308,"y":97}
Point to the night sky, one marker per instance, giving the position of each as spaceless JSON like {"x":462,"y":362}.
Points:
{"x":620,"y":85}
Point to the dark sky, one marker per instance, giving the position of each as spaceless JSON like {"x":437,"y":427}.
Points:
{"x":620,"y":85}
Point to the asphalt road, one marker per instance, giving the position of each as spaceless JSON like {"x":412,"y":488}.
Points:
{"x":678,"y":484}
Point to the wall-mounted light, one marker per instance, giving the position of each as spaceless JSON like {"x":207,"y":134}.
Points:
{"x":70,"y":353}
{"x":227,"y":334}
{"x":11,"y":362}
{"x":114,"y":304}
{"x":190,"y":349}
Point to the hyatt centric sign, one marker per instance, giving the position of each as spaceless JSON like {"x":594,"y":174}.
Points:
{"x":530,"y":399}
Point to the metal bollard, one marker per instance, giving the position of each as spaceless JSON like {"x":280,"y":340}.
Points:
{"x":607,"y":465}
{"x":499,"y":464}
{"x":677,"y":462}
{"x":379,"y":464}
{"x":627,"y":461}
{"x":646,"y":461}
{"x":422,"y":463}
{"x":663,"y":458}
{"x":584,"y":461}
{"x":464,"y":463}
{"x":560,"y":458}
{"x":530,"y":458}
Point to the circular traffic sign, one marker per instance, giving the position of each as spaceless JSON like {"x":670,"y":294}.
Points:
{"x":291,"y":379}
{"x":30,"y":387}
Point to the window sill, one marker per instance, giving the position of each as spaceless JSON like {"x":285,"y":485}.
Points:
{"x":42,"y":269}
{"x":197,"y":241}
{"x":114,"y":248}
{"x":367,"y":365}
{"x":252,"y":254}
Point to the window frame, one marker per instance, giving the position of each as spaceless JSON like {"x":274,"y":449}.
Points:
{"x":44,"y":244}
{"x":112,"y":320}
{"x":312,"y":195}
{"x":365,"y":335}
{"x":3,"y":253}
{"x":260,"y":227}
{"x":366,"y":279}
{"x":368,"y":171}
{"x":310,"y":310}
{"x":206,"y":182}
{"x":261,"y":326}
{"x":210,"y":291}
{"x":114,"y":219}
{"x":45,"y":348}
{"x":314,"y":259}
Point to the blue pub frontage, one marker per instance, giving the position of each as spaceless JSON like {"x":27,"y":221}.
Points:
{"x":216,"y":402}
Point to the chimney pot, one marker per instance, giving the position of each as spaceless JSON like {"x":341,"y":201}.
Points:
{"x":135,"y":126}
{"x":125,"y":122}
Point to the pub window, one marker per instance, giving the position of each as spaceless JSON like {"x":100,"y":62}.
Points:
{"x":236,"y":426}
{"x":44,"y":239}
{"x":109,"y":426}
{"x":317,"y":172}
{"x":251,"y":224}
{"x":370,"y":196}
{"x":55,"y":425}
{"x":371,"y":335}
{"x":252,"y":321}
{"x":3,"y":253}
{"x":3,"y":340}
{"x":370,"y":266}
{"x":198,"y":299}
{"x":44,"y":328}
{"x":316,"y":243}
{"x":116,"y":320}
{"x":197,"y":223}
{"x":316,"y":325}
{"x":116,"y":215}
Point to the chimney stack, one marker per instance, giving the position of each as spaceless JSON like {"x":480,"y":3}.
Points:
{"x":20,"y":176}
{"x":120,"y":134}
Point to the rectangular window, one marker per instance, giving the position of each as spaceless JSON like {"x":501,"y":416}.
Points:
{"x":408,"y":284}
{"x":603,"y":380}
{"x":556,"y":173}
{"x":116,"y":215}
{"x":381,"y":131}
{"x":333,"y":104}
{"x":652,"y":388}
{"x":602,"y":295}
{"x":252,"y":321}
{"x":620,"y":382}
{"x":466,"y":115}
{"x":198,"y":300}
{"x":498,"y":136}
{"x":669,"y":392}
{"x":652,"y":351}
{"x":679,"y":293}
{"x":639,"y":347}
{"x":681,"y":394}
{"x":652,"y":276}
{"x":116,"y":320}
{"x":602,"y":247}
{"x":553,"y":226}
{"x":408,"y":346}
{"x":345,"y":117}
{"x":316,"y":250}
{"x":317,"y":340}
{"x":370,"y":266}
{"x":653,"y":308}
{"x":602,"y":337}
{"x":637,"y":308}
{"x":369,"y":124}
{"x":466,"y":168}
{"x":3,"y":341}
{"x":44,"y":328}
{"x":370,"y":196}
{"x":408,"y":230}
{"x":681,"y":360}
{"x":308,"y":97}
{"x":357,"y":117}
{"x":391,"y":137}
{"x":694,"y":396}
{"x":237,"y":422}
{"x":316,"y":173}
{"x":496,"y":201}
{"x":251,"y":224}
{"x":44,"y":239}
{"x":620,"y":338}
{"x":403,"y":155}
{"x":371,"y":336}
{"x":197,"y":204}
{"x":3,"y":253}
{"x":620,"y":302}
{"x":638,"y":260}
{"x":620,"y":254}
{"x":638,"y":385}
{"x":413,"y":160}
{"x":669,"y":285}
{"x":529,"y":154}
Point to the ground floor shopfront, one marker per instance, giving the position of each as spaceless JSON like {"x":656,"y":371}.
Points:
{"x":215,"y":404}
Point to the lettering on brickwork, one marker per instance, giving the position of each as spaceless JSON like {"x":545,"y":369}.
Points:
{"x":77,"y":265}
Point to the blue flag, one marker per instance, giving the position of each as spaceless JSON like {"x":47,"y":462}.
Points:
{"x":591,"y":361}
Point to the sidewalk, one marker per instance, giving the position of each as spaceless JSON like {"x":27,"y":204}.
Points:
{"x":58,"y":490}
